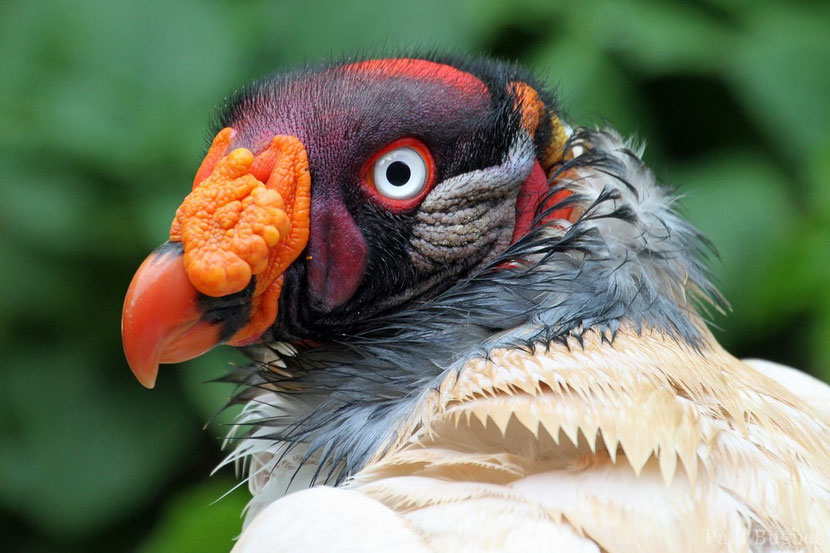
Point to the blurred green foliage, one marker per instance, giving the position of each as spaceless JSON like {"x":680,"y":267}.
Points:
{"x":103,"y":109}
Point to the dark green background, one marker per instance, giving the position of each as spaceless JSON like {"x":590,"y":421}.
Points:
{"x":103,"y":110}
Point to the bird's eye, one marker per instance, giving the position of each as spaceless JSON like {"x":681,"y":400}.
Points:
{"x":401,"y":174}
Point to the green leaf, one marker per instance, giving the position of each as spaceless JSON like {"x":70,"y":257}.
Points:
{"x":200,"y":520}
{"x":488,"y":18}
{"x":820,"y":340}
{"x":588,"y":83}
{"x":45,"y":208}
{"x":123,"y":85}
{"x":656,"y":36}
{"x":209,"y":397}
{"x":778,"y":67}
{"x":740,"y":203}
{"x":818,"y":178}
{"x":300,"y":30}
{"x":84,"y":448}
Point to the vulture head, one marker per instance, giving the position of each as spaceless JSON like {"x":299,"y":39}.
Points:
{"x":364,"y":228}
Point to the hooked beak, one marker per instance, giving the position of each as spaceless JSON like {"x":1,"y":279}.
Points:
{"x":246,"y":219}
{"x":162,"y":320}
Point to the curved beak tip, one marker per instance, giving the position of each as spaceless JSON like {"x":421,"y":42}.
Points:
{"x":161,"y":321}
{"x":148,"y":383}
{"x":146,"y":375}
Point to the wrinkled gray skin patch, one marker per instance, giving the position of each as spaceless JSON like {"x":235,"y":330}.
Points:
{"x":628,"y":258}
{"x":471,"y":217}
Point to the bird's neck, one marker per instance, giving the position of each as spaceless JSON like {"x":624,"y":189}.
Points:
{"x":626,"y":263}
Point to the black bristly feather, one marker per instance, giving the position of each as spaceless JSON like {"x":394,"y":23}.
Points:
{"x":628,"y":259}
{"x":320,"y":105}
{"x":495,"y":74}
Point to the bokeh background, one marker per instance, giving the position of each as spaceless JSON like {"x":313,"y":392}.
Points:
{"x":103,"y":111}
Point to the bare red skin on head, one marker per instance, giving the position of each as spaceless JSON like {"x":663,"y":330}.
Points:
{"x":422,"y":70}
{"x":530,"y":195}
{"x":337,"y":253}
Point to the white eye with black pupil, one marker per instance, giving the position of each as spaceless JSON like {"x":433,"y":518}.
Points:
{"x":400,"y":174}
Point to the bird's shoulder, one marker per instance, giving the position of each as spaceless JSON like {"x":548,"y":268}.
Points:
{"x":597,"y":444}
{"x":325,"y":519}
{"x":620,"y":437}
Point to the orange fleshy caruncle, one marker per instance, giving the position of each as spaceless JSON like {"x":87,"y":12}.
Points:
{"x":532,"y":110}
{"x":246,"y":216}
{"x":530,"y":104}
{"x":535,"y":189}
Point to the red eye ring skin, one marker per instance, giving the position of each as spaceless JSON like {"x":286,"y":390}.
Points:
{"x":393,"y":205}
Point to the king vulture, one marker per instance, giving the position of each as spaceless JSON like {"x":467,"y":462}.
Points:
{"x":472,"y":326}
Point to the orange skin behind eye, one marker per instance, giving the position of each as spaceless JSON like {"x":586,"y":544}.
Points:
{"x":532,"y":109}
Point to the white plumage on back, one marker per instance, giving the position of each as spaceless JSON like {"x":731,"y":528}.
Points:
{"x":643,"y":442}
{"x":511,"y":360}
{"x":639,"y":445}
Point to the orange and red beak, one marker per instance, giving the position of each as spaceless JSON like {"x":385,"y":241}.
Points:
{"x":162,"y":320}
{"x":246,"y":218}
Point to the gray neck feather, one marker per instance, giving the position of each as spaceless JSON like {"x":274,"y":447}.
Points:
{"x":628,"y":258}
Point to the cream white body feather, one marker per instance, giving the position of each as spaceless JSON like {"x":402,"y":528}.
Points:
{"x":640,"y":443}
